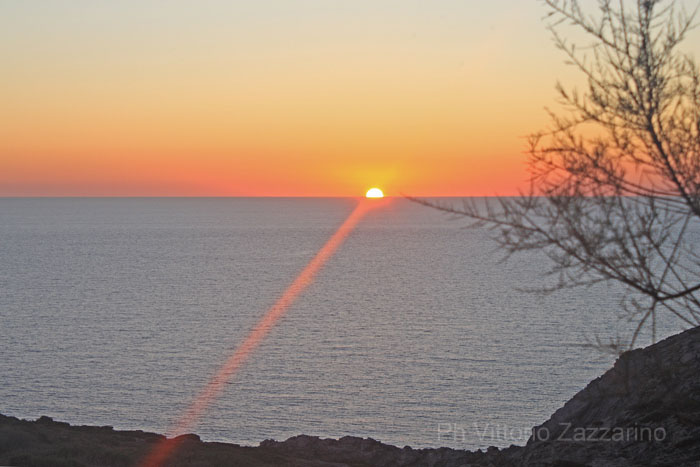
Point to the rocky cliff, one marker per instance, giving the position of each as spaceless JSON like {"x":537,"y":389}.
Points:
{"x":643,"y":411}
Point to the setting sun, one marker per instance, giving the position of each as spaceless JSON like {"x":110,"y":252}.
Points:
{"x":374,"y":193}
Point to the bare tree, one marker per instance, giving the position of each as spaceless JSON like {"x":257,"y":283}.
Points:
{"x":615,"y":181}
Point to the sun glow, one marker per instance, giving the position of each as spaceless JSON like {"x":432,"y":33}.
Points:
{"x":374,"y":193}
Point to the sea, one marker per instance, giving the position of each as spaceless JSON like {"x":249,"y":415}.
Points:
{"x":417,"y":331}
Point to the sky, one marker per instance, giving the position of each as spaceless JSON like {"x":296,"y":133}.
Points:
{"x":272,"y":97}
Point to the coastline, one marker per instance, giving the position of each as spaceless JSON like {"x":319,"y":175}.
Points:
{"x":643,"y":411}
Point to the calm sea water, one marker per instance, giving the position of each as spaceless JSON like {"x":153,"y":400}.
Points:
{"x":117,"y":311}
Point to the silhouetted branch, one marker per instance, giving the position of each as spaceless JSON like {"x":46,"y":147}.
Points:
{"x":615,"y":182}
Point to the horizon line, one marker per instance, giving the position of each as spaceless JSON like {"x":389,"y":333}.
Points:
{"x":240,"y":196}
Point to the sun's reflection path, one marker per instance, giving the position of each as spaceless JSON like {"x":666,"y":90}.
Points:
{"x":164,"y":449}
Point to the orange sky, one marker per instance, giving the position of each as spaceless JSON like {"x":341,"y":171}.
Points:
{"x":271,"y":98}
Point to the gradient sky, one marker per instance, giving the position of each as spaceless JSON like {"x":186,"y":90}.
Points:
{"x":272,"y":97}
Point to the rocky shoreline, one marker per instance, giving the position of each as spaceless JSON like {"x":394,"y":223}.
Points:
{"x":643,"y":411}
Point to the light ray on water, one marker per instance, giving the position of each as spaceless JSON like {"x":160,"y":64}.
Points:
{"x":163,"y":450}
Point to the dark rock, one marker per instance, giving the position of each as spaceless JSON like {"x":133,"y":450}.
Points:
{"x":643,"y":411}
{"x":188,"y":437}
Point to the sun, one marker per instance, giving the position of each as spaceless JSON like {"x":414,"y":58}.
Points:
{"x":374,"y":193}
